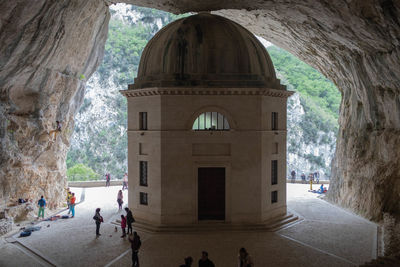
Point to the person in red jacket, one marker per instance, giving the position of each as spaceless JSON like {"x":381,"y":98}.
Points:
{"x":123,"y":225}
{"x":72,"y":204}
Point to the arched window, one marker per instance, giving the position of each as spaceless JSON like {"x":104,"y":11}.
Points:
{"x":211,"y":121}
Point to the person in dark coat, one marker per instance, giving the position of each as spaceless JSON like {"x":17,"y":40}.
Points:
{"x":129,"y":219}
{"x":205,"y":261}
{"x":97,"y":217}
{"x":135,"y":245}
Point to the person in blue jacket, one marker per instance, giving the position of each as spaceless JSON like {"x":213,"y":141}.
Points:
{"x":321,"y":188}
{"x":42,"y":205}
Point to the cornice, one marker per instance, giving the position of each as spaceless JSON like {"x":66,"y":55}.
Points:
{"x":206,"y":91}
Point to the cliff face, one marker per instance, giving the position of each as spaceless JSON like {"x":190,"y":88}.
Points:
{"x":47,"y":50}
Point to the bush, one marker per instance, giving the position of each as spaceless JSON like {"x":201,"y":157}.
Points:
{"x":81,"y":172}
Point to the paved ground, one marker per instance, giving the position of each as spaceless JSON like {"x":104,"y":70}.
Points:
{"x":326,"y":236}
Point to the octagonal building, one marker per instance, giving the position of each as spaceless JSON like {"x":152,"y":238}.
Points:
{"x":206,"y":127}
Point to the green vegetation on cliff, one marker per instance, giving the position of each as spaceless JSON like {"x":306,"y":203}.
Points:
{"x":321,"y":97}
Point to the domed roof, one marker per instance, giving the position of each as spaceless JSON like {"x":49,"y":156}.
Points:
{"x":205,"y":50}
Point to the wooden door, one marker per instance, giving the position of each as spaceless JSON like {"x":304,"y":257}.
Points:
{"x":211,"y":193}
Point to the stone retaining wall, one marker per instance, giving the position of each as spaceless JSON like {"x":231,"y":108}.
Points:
{"x":94,"y":183}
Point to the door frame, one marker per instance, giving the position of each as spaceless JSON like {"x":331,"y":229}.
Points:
{"x":212,"y":164}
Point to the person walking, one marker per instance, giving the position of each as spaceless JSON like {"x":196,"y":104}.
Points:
{"x":123,"y":226}
{"x":42,"y":205}
{"x":120,"y":199}
{"x":135,"y":245}
{"x":98,"y":219}
{"x":125,"y":181}
{"x":72,"y":205}
{"x":188,"y":262}
{"x":244,"y":259}
{"x":205,"y":261}
{"x":129,"y":219}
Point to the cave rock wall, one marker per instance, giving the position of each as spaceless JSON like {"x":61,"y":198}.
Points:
{"x":47,"y":51}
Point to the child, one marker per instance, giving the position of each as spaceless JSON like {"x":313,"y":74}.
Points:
{"x":123,"y":225}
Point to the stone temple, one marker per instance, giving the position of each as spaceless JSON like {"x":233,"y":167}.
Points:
{"x":206,"y":127}
{"x":48,"y":49}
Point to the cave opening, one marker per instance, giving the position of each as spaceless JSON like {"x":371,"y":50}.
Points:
{"x":98,"y":144}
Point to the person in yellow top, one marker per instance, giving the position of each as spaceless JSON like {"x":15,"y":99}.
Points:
{"x":69,"y":196}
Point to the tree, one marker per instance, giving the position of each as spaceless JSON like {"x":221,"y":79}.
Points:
{"x":81,"y":172}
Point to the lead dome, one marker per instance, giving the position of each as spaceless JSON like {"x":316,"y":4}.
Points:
{"x":208,"y":51}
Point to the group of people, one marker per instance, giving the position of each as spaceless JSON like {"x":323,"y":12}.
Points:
{"x":126,"y":222}
{"x":124,"y":180}
{"x":244,"y":260}
{"x":71,"y":200}
{"x":313,"y":176}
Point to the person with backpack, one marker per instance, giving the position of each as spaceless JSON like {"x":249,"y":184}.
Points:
{"x":42,"y":205}
{"x":72,"y":205}
{"x":129,"y":219}
{"x":135,"y":245}
{"x":99,"y":219}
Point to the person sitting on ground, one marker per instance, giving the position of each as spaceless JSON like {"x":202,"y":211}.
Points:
{"x":205,"y":261}
{"x":321,"y":188}
{"x":123,"y":225}
{"x":244,"y":259}
{"x":188,"y":262}
{"x":57,"y":130}
{"x":129,"y":219}
{"x":42,"y":205}
{"x":72,"y":204}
